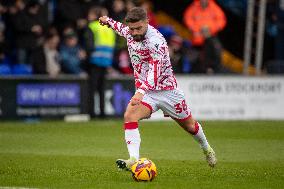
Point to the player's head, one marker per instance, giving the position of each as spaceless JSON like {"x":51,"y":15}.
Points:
{"x":137,"y":22}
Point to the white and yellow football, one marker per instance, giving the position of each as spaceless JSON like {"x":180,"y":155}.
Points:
{"x":144,"y":170}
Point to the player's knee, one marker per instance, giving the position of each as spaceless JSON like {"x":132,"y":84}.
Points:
{"x":129,"y":116}
{"x":190,"y":125}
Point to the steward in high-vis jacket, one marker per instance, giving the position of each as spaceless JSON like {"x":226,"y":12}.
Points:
{"x":100,"y":44}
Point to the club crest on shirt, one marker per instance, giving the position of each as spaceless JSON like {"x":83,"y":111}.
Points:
{"x":157,"y":46}
{"x":135,"y":59}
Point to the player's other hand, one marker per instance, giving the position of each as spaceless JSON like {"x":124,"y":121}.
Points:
{"x":103,"y":20}
{"x":136,"y":99}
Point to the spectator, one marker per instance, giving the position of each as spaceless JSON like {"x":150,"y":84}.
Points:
{"x":16,"y":6}
{"x":118,"y":13}
{"x":121,"y":60}
{"x":72,"y":55}
{"x":101,"y":51}
{"x":45,"y":60}
{"x":276,"y":66}
{"x":124,"y":63}
{"x":67,"y":30}
{"x":3,"y":46}
{"x":148,"y":6}
{"x":179,"y":55}
{"x":13,"y":7}
{"x":204,"y":18}
{"x":29,"y":28}
{"x":118,"y":10}
{"x":129,"y":4}
{"x":70,"y":12}
{"x":4,"y":60}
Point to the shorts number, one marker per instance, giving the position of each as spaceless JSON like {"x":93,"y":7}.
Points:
{"x":181,"y":107}
{"x":178,"y":108}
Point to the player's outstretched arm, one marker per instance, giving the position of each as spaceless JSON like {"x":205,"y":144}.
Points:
{"x":118,"y":27}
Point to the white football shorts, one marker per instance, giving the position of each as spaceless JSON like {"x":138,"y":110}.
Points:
{"x":171,"y":102}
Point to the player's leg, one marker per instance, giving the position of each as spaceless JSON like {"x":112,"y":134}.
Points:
{"x":195,"y":129}
{"x":132,"y":136}
{"x":174,"y":105}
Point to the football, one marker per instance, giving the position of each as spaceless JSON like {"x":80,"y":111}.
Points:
{"x":144,"y":170}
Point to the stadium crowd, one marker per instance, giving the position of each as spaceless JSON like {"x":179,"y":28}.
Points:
{"x":63,"y":36}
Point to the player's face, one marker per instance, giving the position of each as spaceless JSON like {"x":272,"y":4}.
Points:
{"x":138,"y":29}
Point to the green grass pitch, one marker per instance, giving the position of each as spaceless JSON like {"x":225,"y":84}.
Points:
{"x":54,"y":154}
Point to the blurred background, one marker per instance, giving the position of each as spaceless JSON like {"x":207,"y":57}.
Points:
{"x":56,"y":60}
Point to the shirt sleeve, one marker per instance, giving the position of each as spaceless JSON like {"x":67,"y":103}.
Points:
{"x":156,"y":54}
{"x":118,"y":27}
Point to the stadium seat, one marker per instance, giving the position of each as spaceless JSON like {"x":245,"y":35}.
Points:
{"x":22,"y":69}
{"x":5,"y":69}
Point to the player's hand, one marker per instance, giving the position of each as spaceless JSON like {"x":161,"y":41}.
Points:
{"x":103,"y":20}
{"x":136,"y":99}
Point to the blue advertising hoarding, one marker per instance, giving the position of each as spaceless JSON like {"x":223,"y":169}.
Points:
{"x":42,"y":97}
{"x":48,"y":94}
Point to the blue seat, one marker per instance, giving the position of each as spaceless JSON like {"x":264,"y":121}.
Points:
{"x":5,"y":69}
{"x":22,"y":69}
{"x":167,"y":31}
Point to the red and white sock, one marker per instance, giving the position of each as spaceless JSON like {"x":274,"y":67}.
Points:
{"x":132,"y":139}
{"x":200,"y":137}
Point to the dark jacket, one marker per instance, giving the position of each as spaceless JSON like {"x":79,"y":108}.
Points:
{"x":68,"y":12}
{"x":23,"y":23}
{"x":39,"y":61}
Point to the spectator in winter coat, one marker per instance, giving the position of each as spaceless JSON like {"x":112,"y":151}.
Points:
{"x":29,"y":27}
{"x":45,"y":60}
{"x":204,"y":18}
{"x":72,"y":55}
